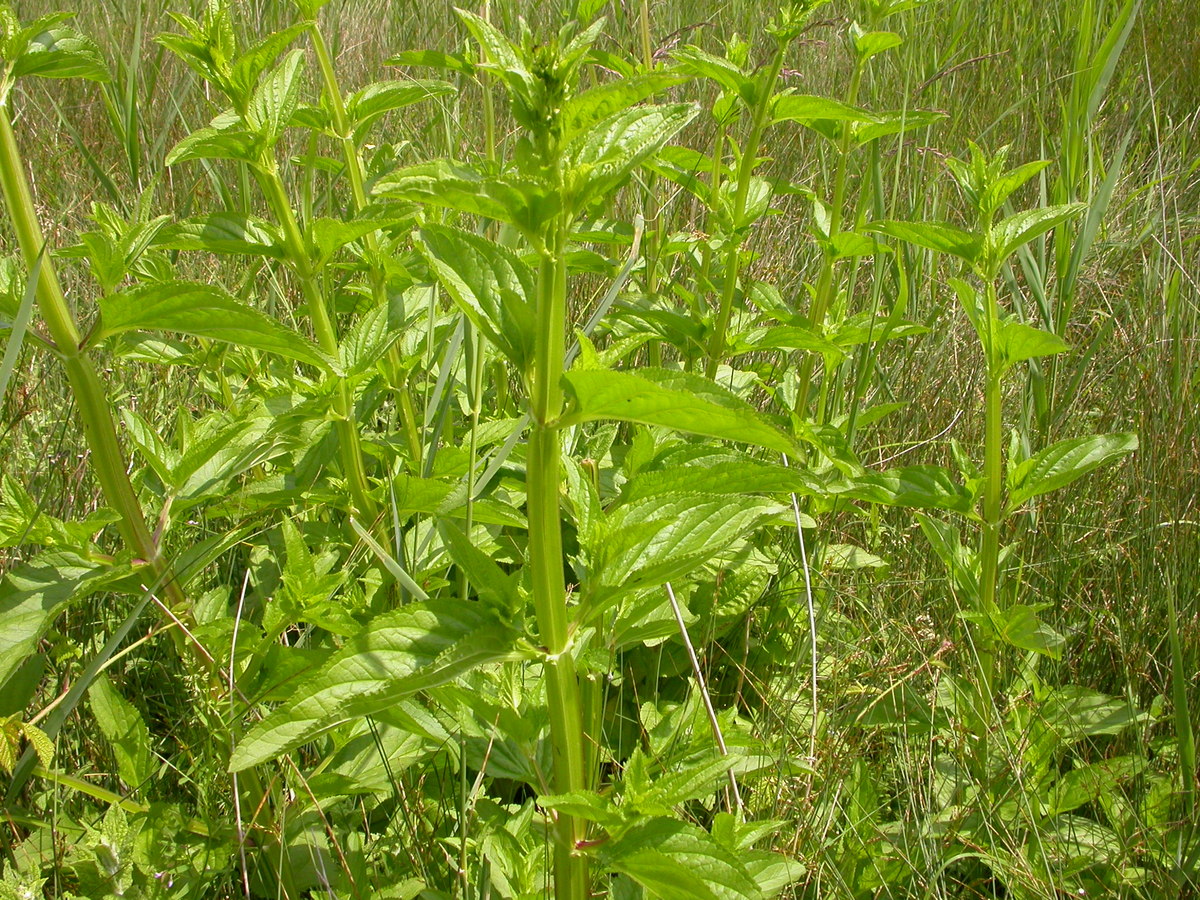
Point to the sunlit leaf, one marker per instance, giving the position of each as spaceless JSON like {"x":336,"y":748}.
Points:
{"x":672,"y":399}
{"x":1061,"y":463}
{"x":203,"y":311}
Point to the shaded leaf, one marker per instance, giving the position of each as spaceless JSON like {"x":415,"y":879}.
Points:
{"x":677,"y":861}
{"x":411,"y":649}
{"x":224,"y":232}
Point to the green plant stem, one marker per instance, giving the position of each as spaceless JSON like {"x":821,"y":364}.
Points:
{"x":357,"y":176}
{"x":826,"y":284}
{"x":91,"y":398}
{"x":326,"y":334}
{"x":716,"y":346}
{"x":546,"y":562}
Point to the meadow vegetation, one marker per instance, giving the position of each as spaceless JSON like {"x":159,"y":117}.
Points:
{"x":594,"y":449}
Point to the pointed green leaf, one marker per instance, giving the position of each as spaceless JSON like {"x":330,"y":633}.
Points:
{"x":1020,"y":626}
{"x":276,"y":97}
{"x":400,"y":653}
{"x":491,"y":284}
{"x":60,"y":52}
{"x":224,"y":232}
{"x":872,"y":43}
{"x":493,"y":585}
{"x":671,"y":399}
{"x":1023,"y":227}
{"x":203,"y":311}
{"x":807,"y":109}
{"x":915,"y":487}
{"x":31,"y":595}
{"x":652,"y":541}
{"x":673,"y":860}
{"x":1075,"y":712}
{"x":937,"y":236}
{"x":893,"y":122}
{"x":1018,"y":342}
{"x":695,"y":61}
{"x":434,"y":59}
{"x":366,"y":106}
{"x":791,"y":337}
{"x":447,"y":184}
{"x":582,"y":112}
{"x":1061,"y":463}
{"x":601,"y":157}
{"x":1000,"y":189}
{"x":226,"y":138}
{"x":122,"y":725}
{"x":723,"y":475}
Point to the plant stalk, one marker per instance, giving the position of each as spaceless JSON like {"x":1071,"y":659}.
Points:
{"x":716,"y":346}
{"x":543,"y":478}
{"x":326,"y":334}
{"x":106,"y":460}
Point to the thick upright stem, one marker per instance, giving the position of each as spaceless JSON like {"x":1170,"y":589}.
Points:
{"x":107,"y":460}
{"x":326,"y":334}
{"x":543,"y":479}
{"x":716,"y":345}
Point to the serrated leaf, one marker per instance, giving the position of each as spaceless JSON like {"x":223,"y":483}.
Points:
{"x":435,"y":59}
{"x":224,"y":232}
{"x":601,"y":157}
{"x":792,"y":337}
{"x":411,"y":649}
{"x":1023,"y":227}
{"x":225,"y":138}
{"x":1061,"y":463}
{"x":1020,"y":626}
{"x":940,"y":237}
{"x":916,"y":487}
{"x":60,"y":52}
{"x":723,"y":476}
{"x":699,"y":62}
{"x":331,"y":235}
{"x":851,"y":557}
{"x":447,"y":184}
{"x":205,"y":311}
{"x":583,"y":111}
{"x":808,"y":109}
{"x":671,"y":399}
{"x":649,"y":542}
{"x":275,"y":98}
{"x":1017,"y":342}
{"x":122,"y":725}
{"x":489,"y":283}
{"x":676,"y":861}
{"x":368,"y":340}
{"x":366,"y":106}
{"x":872,"y":43}
{"x":493,"y":585}
{"x":893,"y":122}
{"x":31,"y":595}
{"x":1075,"y":712}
